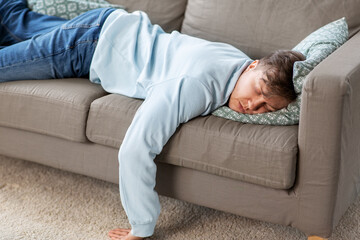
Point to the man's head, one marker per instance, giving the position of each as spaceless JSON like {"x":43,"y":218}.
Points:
{"x":266,"y":85}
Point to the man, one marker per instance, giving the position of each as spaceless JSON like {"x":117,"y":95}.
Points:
{"x":178,"y":76}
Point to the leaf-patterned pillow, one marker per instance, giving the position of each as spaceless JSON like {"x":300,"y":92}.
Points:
{"x":315,"y":47}
{"x":67,"y":9}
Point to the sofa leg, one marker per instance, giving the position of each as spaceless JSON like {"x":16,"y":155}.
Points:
{"x":316,"y":238}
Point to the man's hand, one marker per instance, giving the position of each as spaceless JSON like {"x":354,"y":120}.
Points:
{"x":122,"y":234}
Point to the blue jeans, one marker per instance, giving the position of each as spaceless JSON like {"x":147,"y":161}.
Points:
{"x":36,"y":46}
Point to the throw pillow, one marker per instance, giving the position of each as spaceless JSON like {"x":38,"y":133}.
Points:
{"x":67,"y":9}
{"x":315,"y":47}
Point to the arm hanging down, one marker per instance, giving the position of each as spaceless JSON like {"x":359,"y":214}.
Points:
{"x":168,"y":104}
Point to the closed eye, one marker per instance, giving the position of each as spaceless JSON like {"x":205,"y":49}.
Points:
{"x":270,"y":109}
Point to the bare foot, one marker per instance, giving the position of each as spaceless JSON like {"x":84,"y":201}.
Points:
{"x":122,"y":234}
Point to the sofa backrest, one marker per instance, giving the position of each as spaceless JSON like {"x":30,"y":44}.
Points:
{"x":169,"y":14}
{"x":258,"y":27}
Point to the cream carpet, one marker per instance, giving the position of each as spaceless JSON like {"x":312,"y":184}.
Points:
{"x":38,"y":202}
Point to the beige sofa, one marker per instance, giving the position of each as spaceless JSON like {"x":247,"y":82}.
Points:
{"x":304,"y":176}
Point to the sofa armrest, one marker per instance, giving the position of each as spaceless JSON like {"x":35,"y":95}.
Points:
{"x":329,"y":135}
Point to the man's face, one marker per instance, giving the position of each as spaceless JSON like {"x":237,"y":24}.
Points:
{"x":250,"y":94}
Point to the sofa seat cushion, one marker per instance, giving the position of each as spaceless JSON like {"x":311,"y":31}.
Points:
{"x":259,"y":154}
{"x":53,"y":107}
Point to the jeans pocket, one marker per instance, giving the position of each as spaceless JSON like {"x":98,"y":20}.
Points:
{"x":90,"y":19}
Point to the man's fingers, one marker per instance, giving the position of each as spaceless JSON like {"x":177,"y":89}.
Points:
{"x":120,"y":230}
{"x":119,"y":233}
{"x":116,"y":237}
{"x":123,"y":229}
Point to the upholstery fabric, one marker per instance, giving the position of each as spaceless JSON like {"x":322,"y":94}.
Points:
{"x":263,"y":155}
{"x":53,"y":107}
{"x":260,"y":27}
{"x":169,"y":14}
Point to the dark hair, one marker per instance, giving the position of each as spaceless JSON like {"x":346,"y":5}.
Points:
{"x":278,"y":69}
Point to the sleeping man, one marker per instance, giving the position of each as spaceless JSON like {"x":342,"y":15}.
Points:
{"x":178,"y":76}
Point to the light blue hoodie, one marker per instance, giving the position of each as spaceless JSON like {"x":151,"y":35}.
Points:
{"x":179,"y":76}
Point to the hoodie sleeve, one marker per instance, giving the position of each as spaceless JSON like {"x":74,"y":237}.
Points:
{"x":168,"y":104}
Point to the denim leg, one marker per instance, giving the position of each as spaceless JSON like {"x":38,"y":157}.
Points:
{"x":18,"y":23}
{"x":64,"y":52}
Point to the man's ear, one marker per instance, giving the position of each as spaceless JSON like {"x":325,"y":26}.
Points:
{"x":252,"y":65}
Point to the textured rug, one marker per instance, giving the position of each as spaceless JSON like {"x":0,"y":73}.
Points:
{"x":39,"y":202}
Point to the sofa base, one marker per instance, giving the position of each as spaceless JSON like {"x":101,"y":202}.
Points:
{"x":98,"y":161}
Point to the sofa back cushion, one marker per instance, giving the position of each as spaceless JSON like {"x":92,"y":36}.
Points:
{"x":258,"y":27}
{"x":169,"y":14}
